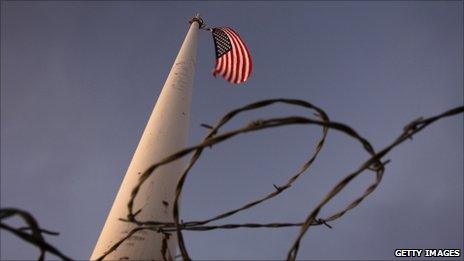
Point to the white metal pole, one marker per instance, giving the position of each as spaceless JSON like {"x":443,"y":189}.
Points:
{"x":165,"y":133}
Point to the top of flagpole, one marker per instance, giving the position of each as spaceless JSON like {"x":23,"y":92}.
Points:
{"x":197,"y":19}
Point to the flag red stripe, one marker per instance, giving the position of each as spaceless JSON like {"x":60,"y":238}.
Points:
{"x":228,"y":65}
{"x":218,"y":66}
{"x":224,"y":64}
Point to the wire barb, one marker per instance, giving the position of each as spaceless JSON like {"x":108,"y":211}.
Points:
{"x":322,"y":221}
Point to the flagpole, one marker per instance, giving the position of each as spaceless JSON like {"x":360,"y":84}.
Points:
{"x":165,"y":133}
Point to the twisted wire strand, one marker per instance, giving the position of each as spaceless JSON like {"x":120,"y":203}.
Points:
{"x":35,"y":237}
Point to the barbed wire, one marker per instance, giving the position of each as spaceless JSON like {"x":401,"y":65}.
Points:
{"x":35,"y":236}
{"x":374,"y":163}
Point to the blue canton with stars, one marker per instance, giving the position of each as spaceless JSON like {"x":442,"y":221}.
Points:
{"x":221,"y":42}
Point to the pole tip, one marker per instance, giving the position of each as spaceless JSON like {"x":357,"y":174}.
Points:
{"x":197,"y":18}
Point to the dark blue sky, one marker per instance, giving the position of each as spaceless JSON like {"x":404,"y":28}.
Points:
{"x":79,"y":79}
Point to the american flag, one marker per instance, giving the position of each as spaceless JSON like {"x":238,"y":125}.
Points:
{"x":233,"y":59}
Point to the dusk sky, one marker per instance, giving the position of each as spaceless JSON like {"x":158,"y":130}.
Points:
{"x":80,"y":79}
